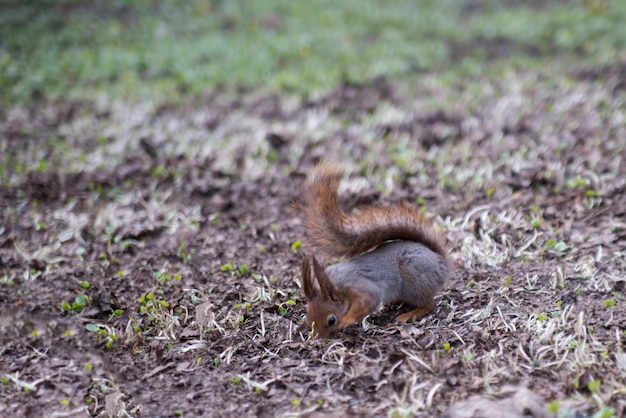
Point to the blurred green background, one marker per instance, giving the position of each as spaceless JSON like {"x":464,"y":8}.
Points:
{"x":171,"y":49}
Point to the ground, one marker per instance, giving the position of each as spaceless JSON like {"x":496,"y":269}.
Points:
{"x":149,"y":249}
{"x":164,"y":285}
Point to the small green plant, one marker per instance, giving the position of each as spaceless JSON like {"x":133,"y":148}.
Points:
{"x":149,"y":301}
{"x":553,"y":407}
{"x":245,"y":307}
{"x":446,"y":346}
{"x":182,"y":254}
{"x":594,"y":385}
{"x":103,"y":333}
{"x":556,"y":245}
{"x":158,"y":172}
{"x":606,"y":412}
{"x":8,"y":280}
{"x":296,"y":245}
{"x":476,"y":285}
{"x":507,"y":282}
{"x":272,"y":156}
{"x":593,"y":193}
{"x":163,"y":274}
{"x":162,"y":318}
{"x":576,"y":182}
{"x":609,"y":303}
{"x":240,"y":270}
{"x":80,"y":302}
{"x":282,"y":308}
{"x":214,"y":218}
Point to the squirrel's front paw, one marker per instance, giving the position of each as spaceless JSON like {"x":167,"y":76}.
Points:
{"x":414,"y":315}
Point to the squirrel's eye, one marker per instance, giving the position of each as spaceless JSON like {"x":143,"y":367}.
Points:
{"x":331,"y":320}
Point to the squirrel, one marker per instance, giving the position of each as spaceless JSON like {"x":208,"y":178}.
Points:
{"x":394,"y":255}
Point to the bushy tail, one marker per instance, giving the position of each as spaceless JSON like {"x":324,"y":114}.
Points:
{"x":340,"y":234}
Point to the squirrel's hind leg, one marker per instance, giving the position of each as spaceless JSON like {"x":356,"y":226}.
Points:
{"x":416,"y":314}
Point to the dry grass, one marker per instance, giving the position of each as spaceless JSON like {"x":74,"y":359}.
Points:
{"x":197,"y":250}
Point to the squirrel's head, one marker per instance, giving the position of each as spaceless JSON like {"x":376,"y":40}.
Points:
{"x":327,"y":303}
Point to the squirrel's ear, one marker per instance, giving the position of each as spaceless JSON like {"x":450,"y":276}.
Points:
{"x":329,"y":291}
{"x":307,"y":282}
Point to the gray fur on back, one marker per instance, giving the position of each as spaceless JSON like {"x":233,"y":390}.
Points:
{"x":381,"y":267}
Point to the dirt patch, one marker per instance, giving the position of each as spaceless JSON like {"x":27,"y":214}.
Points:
{"x":613,"y":76}
{"x":156,"y":273}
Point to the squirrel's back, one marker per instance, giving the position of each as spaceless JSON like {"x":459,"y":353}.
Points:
{"x":340,"y":234}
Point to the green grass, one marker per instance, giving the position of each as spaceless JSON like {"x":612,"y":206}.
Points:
{"x":77,"y":48}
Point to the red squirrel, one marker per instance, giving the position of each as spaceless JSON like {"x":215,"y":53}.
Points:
{"x":394,"y":255}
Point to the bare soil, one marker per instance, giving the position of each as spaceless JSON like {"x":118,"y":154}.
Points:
{"x":156,"y":274}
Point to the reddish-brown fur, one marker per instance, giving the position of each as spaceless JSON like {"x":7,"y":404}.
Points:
{"x":342,"y":234}
{"x":345,"y":293}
